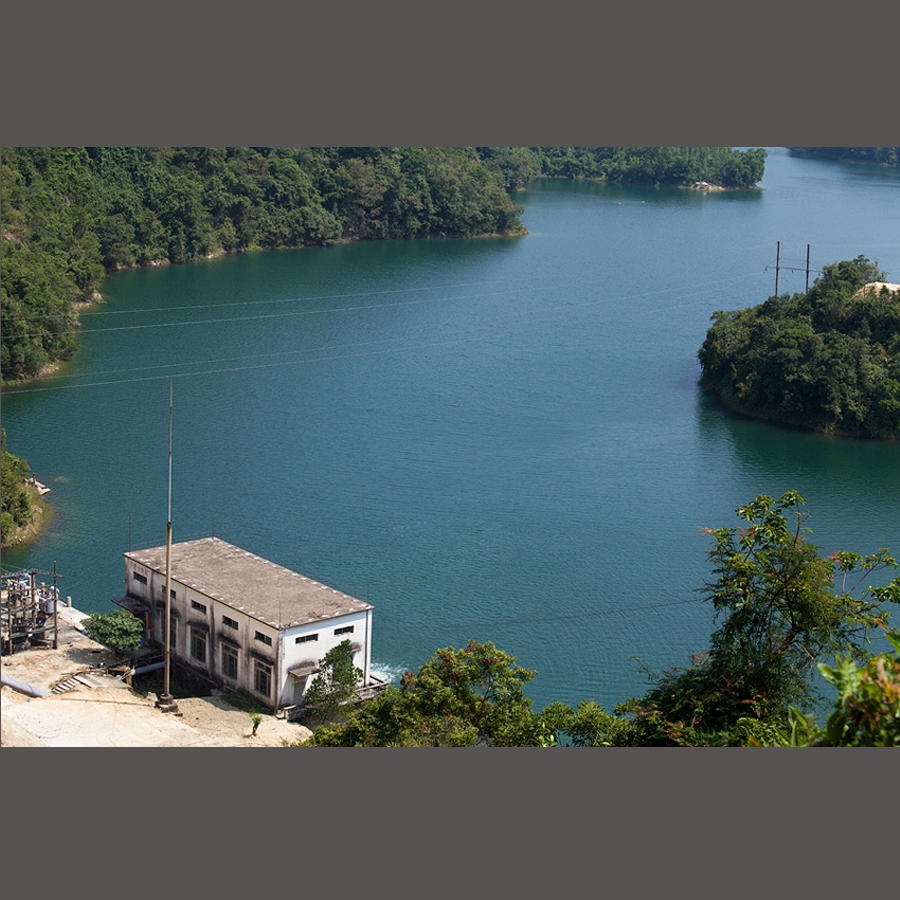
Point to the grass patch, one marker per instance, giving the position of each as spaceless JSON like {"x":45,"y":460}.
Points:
{"x":239,"y":701}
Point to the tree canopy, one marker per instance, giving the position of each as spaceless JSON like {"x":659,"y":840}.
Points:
{"x":17,"y":509}
{"x":827,"y":360}
{"x":334,"y":684}
{"x":459,"y":698}
{"x":119,"y":630}
{"x":884,"y":156}
{"x":72,"y":214}
{"x":722,"y":166}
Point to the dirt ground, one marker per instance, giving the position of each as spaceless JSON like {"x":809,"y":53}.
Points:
{"x":100,"y":710}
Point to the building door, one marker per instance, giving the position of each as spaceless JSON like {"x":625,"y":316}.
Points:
{"x":299,"y":688}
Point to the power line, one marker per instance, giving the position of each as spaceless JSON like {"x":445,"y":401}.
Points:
{"x":292,"y":362}
{"x":542,"y":619}
{"x":557,"y":311}
{"x":325,"y":311}
{"x":152,"y":309}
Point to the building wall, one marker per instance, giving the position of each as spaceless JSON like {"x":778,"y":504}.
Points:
{"x":329,"y":633}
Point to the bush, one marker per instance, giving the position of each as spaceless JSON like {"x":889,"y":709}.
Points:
{"x":119,"y":630}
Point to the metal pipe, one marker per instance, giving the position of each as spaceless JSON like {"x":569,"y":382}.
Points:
{"x":23,"y":687}
{"x":153,"y":667}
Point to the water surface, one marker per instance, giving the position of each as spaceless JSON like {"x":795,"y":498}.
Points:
{"x":492,"y":438}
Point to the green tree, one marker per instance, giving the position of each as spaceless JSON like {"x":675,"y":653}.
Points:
{"x":866,"y":711}
{"x":474,"y":696}
{"x":784,"y":608}
{"x":335,"y":683}
{"x":119,"y":630}
{"x":17,"y":510}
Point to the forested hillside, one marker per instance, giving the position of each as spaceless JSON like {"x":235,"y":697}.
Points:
{"x":828,"y":359}
{"x":885,"y":156}
{"x":17,"y":508}
{"x":678,"y":166}
{"x":721,"y":166}
{"x":69,"y":215}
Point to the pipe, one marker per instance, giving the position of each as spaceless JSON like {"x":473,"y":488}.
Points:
{"x":151,"y":668}
{"x":23,"y":687}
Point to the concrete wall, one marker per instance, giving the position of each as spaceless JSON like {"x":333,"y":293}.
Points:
{"x":296,"y":654}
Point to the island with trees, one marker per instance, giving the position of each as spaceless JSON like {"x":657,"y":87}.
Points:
{"x":882,"y":156}
{"x":826,"y":360}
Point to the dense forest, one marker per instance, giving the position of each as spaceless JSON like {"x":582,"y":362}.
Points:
{"x":828,"y":359}
{"x":70,"y":215}
{"x":721,"y":166}
{"x":884,"y":156}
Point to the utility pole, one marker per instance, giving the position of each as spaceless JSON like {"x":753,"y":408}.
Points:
{"x":165,"y":702}
{"x":778,"y":267}
{"x":777,"y":262}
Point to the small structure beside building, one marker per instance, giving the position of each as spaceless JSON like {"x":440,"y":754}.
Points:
{"x":244,"y":622}
{"x":28,"y":613}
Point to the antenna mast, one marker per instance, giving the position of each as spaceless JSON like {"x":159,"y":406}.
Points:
{"x":165,"y":702}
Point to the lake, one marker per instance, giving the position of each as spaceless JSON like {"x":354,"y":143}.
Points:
{"x":497,"y":438}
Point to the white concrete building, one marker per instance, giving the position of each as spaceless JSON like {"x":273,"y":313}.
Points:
{"x":242,"y":621}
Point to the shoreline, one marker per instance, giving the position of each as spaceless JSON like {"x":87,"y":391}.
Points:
{"x":97,"y":299}
{"x":808,"y":427}
{"x":42,"y":515}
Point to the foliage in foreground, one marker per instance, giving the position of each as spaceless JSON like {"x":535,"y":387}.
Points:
{"x":828,"y":359}
{"x":119,"y":630}
{"x":334,"y":684}
{"x":459,"y":698}
{"x":782,"y":609}
{"x":866,"y":711}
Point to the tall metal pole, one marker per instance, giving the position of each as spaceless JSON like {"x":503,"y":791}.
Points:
{"x":55,"y":610}
{"x":807,"y":268}
{"x":777,"y":263}
{"x":166,"y":701}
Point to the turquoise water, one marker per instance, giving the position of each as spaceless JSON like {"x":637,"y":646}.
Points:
{"x":499,"y":438}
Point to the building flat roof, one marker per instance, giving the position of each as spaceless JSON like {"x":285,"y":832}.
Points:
{"x":262,"y":589}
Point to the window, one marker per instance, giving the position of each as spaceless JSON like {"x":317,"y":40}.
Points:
{"x":305,"y":638}
{"x":198,"y":606}
{"x":198,"y":645}
{"x":140,"y":579}
{"x":231,"y":623}
{"x":264,"y":638}
{"x":347,"y":629}
{"x":229,"y":662}
{"x":262,"y":678}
